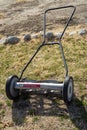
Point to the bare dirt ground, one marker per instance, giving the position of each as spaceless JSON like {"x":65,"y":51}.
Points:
{"x":27,"y":15}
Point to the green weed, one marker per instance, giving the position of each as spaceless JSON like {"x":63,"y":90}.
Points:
{"x":36,"y":119}
{"x":8,"y":102}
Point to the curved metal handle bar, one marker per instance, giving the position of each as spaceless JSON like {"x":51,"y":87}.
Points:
{"x":43,"y":43}
{"x":62,"y":7}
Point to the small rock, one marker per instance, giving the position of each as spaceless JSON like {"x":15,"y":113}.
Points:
{"x":49,"y":36}
{"x":72,"y":33}
{"x":41,"y":33}
{"x":13,"y":40}
{"x":34,"y":36}
{"x":82,"y":32}
{"x":58,"y":35}
{"x":27,"y":37}
{"x":3,"y":41}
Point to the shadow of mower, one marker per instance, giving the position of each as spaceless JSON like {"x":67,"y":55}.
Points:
{"x":49,"y":105}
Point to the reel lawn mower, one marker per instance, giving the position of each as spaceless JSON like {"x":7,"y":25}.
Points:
{"x":15,"y":84}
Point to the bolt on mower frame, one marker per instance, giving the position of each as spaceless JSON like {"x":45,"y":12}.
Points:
{"x":14,"y":84}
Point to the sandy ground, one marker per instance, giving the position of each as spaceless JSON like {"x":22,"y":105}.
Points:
{"x":27,"y":16}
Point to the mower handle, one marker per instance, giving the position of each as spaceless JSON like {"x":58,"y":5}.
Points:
{"x":62,"y":7}
{"x":43,"y":43}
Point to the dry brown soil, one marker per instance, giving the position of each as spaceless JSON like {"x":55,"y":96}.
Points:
{"x":21,"y":16}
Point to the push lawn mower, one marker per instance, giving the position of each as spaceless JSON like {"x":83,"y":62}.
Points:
{"x":15,"y":84}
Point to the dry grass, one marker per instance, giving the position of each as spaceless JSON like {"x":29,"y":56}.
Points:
{"x":40,"y":112}
{"x":1,"y":15}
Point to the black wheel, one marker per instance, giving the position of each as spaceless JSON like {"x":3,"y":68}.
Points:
{"x":11,"y":92}
{"x":68,"y":90}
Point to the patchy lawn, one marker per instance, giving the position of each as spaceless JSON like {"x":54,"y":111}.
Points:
{"x":43,"y":112}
